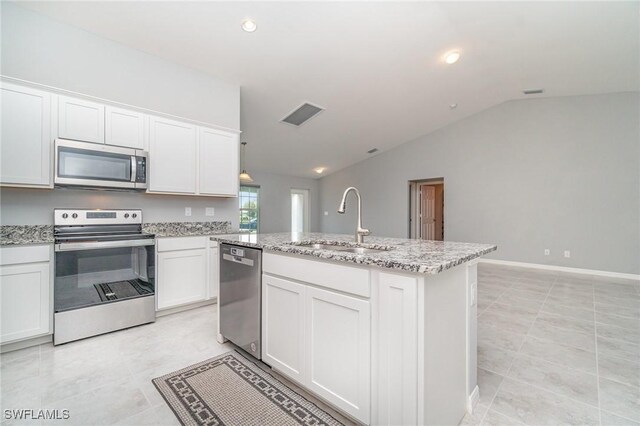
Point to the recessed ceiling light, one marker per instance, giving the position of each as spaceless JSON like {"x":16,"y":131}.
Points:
{"x":249,"y":25}
{"x":453,"y":106}
{"x":319,"y":170}
{"x":452,"y":57}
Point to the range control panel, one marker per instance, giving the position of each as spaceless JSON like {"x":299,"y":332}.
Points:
{"x":96,"y":217}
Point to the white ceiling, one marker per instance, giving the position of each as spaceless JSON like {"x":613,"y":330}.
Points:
{"x":376,"y":67}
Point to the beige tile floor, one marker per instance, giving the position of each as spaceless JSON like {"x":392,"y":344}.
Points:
{"x":557,"y":348}
{"x":553,"y":349}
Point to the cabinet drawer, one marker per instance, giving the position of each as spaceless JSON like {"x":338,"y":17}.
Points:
{"x":181,"y":243}
{"x":24,"y":254}
{"x":338,"y":277}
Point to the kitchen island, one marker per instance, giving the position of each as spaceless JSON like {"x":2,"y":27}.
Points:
{"x":384,"y":331}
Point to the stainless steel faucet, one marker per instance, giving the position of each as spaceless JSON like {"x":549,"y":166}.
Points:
{"x":360,"y":231}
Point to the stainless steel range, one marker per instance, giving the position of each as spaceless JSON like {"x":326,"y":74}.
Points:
{"x":104,"y":272}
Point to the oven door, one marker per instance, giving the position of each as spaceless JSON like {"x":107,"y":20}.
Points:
{"x":96,"y":165}
{"x":92,"y":273}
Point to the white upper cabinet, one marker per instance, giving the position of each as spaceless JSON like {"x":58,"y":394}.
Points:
{"x":124,"y":128}
{"x":80,"y":120}
{"x":26,"y":136}
{"x":218,"y":162}
{"x":172,"y":156}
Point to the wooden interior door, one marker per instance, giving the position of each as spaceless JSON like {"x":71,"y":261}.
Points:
{"x":427,"y":212}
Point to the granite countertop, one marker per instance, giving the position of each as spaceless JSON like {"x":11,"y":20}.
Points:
{"x":11,"y":235}
{"x":418,"y":256}
{"x":14,"y":235}
{"x":186,"y":229}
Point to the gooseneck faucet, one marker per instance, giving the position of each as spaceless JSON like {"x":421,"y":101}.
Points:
{"x":360,"y":231}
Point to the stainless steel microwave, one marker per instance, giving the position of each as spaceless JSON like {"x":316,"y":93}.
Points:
{"x":96,"y":165}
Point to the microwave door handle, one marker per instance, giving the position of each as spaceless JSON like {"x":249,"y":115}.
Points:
{"x":134,"y":168}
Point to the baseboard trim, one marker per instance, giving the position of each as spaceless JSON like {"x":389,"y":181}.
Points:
{"x":562,"y":269}
{"x":473,"y":400}
{"x":22,"y":344}
{"x":187,"y":307}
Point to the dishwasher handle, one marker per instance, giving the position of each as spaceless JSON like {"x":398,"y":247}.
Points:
{"x":238,"y":259}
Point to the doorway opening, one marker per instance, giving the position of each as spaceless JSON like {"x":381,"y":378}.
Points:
{"x":299,"y":210}
{"x":426,"y":209}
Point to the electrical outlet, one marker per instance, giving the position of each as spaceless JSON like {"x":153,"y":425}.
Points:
{"x":547,"y":252}
{"x":326,"y":213}
{"x":209,"y":211}
{"x":567,"y":253}
{"x":187,"y":211}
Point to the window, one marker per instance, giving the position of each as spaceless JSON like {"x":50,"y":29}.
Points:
{"x":249,"y":209}
{"x":299,"y":210}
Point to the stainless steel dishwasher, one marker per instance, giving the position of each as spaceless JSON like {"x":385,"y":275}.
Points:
{"x":240,"y":296}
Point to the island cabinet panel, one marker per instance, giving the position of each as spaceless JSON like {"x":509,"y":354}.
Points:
{"x":348,"y":279}
{"x":397,"y":345}
{"x":172,"y":156}
{"x":283,"y":305}
{"x":80,"y":120}
{"x":26,"y":136}
{"x":338,"y":348}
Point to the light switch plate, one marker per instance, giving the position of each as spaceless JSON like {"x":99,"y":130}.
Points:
{"x":326,"y":213}
{"x":187,"y":211}
{"x":209,"y":211}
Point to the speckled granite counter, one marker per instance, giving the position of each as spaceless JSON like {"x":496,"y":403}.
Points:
{"x":186,"y":229}
{"x":419,"y":256}
{"x":11,"y":235}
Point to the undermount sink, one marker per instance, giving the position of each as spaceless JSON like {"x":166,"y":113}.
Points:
{"x":349,"y":249}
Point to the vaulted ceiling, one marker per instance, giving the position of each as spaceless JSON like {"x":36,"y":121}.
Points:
{"x":377,"y":67}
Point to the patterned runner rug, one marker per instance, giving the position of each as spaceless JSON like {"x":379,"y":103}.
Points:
{"x":231,"y":390}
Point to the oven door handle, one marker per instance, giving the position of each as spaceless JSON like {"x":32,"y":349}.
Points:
{"x":103,"y":245}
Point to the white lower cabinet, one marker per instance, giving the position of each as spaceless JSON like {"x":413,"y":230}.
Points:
{"x":338,"y":330}
{"x":182,"y":271}
{"x":25,"y":293}
{"x":283,"y":319}
{"x":321,"y":339}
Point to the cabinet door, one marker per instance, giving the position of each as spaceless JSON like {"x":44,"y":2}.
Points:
{"x":24,"y":304}
{"x":214,"y":273}
{"x":172,"y":156}
{"x":338,"y":350}
{"x":218,"y":162}
{"x":80,"y":120}
{"x":283,"y":326}
{"x":26,"y":136}
{"x":182,"y":277}
{"x":124,"y":128}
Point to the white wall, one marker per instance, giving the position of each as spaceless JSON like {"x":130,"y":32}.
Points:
{"x":275,"y":201}
{"x":39,"y":49}
{"x":557,"y":173}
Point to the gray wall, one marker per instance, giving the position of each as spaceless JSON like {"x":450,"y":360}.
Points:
{"x":41,"y":50}
{"x":275,"y":201}
{"x":557,"y":173}
{"x":35,"y":206}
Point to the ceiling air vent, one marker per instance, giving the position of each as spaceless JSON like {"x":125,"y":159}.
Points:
{"x":304,"y":112}
{"x":371,"y":151}
{"x":533,"y":91}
